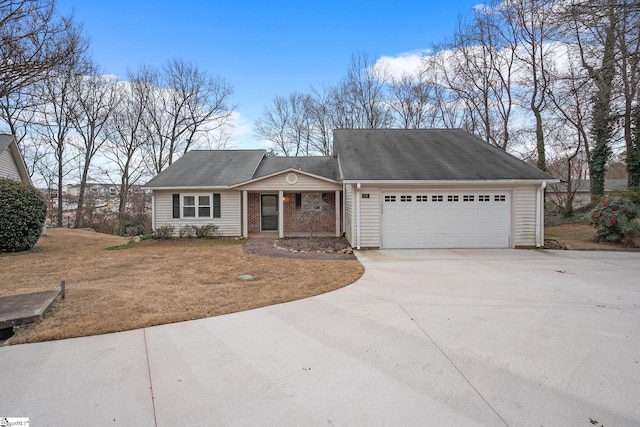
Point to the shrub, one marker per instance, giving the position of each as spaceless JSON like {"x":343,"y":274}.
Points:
{"x":164,"y":232}
{"x":22,"y":214}
{"x":615,"y":220}
{"x":207,"y":231}
{"x":188,"y":231}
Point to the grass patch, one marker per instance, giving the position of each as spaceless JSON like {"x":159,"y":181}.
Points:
{"x":155,"y":282}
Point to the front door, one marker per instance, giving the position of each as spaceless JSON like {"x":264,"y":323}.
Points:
{"x":269,"y":212}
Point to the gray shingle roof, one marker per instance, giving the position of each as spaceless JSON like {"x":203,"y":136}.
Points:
{"x":214,"y":168}
{"x":429,"y":154}
{"x":585,"y":185}
{"x":324,"y":166}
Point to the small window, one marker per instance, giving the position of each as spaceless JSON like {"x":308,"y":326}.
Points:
{"x":298,"y":201}
{"x":389,"y":198}
{"x":499,"y":198}
{"x":438,"y":198}
{"x":422,"y":198}
{"x":484,"y":198}
{"x":451,"y":198}
{"x":405,"y":198}
{"x":468,"y":198}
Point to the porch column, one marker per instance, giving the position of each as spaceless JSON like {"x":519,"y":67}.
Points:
{"x":338,"y":221}
{"x":280,"y":214}
{"x":245,"y":214}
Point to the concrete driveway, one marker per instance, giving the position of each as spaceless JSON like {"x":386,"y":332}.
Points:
{"x":439,"y":337}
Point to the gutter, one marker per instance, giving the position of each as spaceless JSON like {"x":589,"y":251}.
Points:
{"x":540,"y":215}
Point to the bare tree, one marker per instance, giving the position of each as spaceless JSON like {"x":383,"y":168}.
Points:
{"x":413,"y":100}
{"x":54,"y":121}
{"x":568,"y":94}
{"x":94,"y":97}
{"x":34,"y":41}
{"x":531,"y":23}
{"x":359,"y":101}
{"x":287,"y":124}
{"x":126,"y":139}
{"x":186,"y":101}
{"x":628,"y":42}
{"x":478,"y":66}
{"x":594,"y":26}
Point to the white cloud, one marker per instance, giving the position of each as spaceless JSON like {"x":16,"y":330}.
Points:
{"x":406,"y":63}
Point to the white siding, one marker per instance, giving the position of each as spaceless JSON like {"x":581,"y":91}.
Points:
{"x":279,"y":182}
{"x":8,"y":168}
{"x":524,"y":213}
{"x":230,"y":214}
{"x":349,"y":215}
{"x":370,"y":217}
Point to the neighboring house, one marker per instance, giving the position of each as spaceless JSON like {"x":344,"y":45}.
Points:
{"x":11,"y":163}
{"x":437,"y":188}
{"x":558,"y":192}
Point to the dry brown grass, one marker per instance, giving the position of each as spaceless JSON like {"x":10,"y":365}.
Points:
{"x":155,"y":282}
{"x":579,"y":236}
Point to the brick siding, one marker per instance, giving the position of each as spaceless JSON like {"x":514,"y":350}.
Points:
{"x":296,"y":221}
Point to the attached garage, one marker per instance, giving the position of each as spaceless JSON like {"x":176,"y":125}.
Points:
{"x":437,"y":188}
{"x":446,"y":219}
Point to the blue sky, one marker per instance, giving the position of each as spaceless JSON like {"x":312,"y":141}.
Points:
{"x":262,"y":48}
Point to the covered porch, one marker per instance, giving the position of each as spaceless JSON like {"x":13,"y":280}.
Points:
{"x":291,"y":214}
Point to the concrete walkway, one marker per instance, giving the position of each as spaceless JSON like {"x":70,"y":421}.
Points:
{"x":442,"y":337}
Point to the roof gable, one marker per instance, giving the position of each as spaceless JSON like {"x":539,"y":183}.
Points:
{"x":320,"y":166}
{"x":8,"y":142}
{"x":425,"y":155}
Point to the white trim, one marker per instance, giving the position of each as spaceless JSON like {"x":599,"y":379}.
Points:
{"x":450,"y":182}
{"x":280,"y":214}
{"x":357,"y":195}
{"x":196,"y":205}
{"x":245,"y":214}
{"x":539,"y":215}
{"x":322,"y":178}
{"x":187,"y":188}
{"x":337,"y":206}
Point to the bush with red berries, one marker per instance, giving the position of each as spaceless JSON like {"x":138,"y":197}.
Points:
{"x":615,"y":220}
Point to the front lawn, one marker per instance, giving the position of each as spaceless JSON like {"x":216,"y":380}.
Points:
{"x":155,"y":282}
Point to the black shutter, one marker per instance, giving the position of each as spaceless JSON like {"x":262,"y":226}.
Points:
{"x":176,"y":206}
{"x":298,"y":201}
{"x":216,"y":205}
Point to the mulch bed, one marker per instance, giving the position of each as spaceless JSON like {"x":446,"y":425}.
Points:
{"x":321,"y":248}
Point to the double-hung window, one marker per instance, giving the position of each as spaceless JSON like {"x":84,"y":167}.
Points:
{"x":198,"y":206}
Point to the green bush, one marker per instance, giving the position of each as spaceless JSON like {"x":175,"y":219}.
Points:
{"x":207,"y":231}
{"x":615,"y":220}
{"x":22,"y":214}
{"x":164,"y":232}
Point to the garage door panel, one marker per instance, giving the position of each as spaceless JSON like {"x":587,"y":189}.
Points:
{"x":423,"y":219}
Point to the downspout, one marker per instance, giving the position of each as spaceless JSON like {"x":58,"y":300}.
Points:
{"x":153,"y":210}
{"x":358,"y":188}
{"x":540,"y":215}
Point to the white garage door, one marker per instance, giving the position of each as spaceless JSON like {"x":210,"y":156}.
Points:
{"x":455,"y":219}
